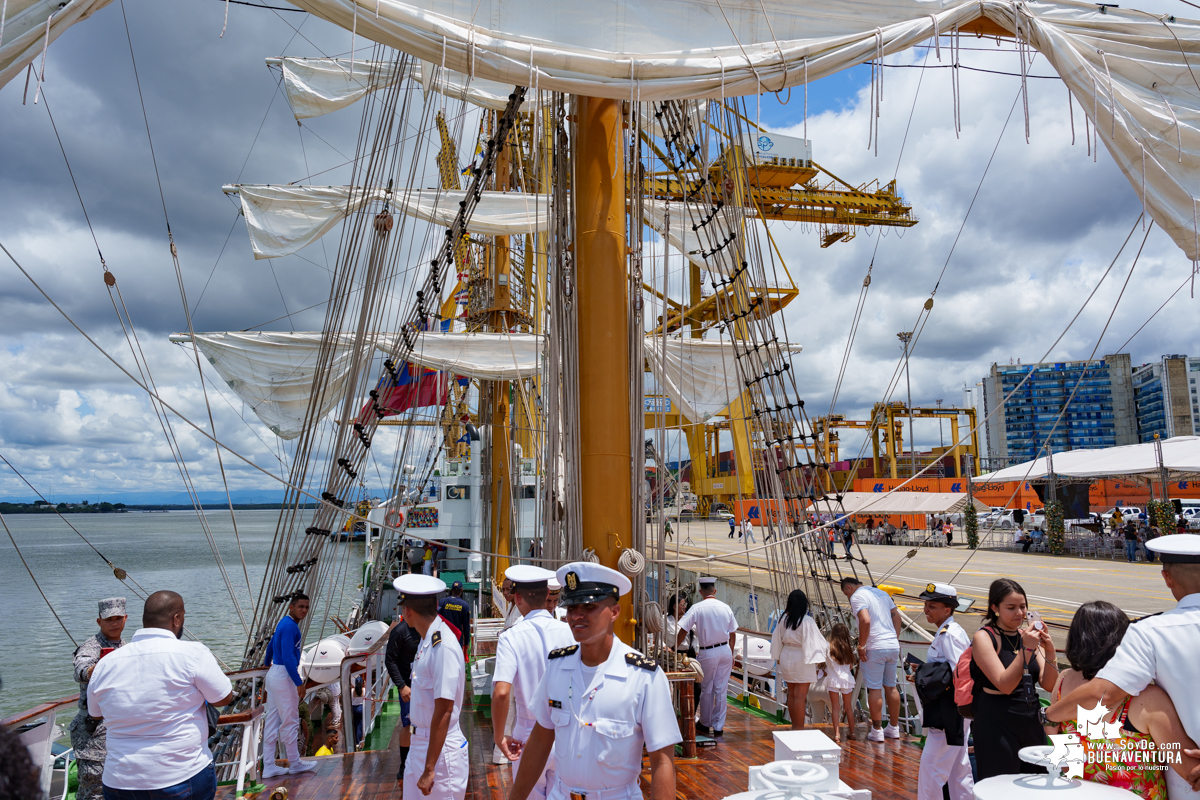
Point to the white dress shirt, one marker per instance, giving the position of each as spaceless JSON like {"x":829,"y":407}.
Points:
{"x":948,"y":644}
{"x":1162,"y":648}
{"x":601,"y":721}
{"x":521,"y":660}
{"x":712,"y":620}
{"x":151,"y":693}
{"x":438,"y":673}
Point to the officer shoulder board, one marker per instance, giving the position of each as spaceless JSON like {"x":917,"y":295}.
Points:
{"x":639,"y":660}
{"x":435,"y":639}
{"x":1148,"y":616}
{"x":563,"y":651}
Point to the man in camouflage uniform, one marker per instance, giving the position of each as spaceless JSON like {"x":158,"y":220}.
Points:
{"x":90,"y":749}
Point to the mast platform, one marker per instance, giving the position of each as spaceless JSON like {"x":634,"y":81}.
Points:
{"x":888,"y":769}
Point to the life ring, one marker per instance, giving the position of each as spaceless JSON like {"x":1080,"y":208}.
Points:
{"x":393,"y":519}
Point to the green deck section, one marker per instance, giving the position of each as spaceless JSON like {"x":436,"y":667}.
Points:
{"x":385,"y":724}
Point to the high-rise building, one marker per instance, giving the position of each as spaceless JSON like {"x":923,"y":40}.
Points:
{"x":1165,"y":395}
{"x":1066,"y":405}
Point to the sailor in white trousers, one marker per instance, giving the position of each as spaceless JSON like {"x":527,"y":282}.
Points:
{"x":284,"y":688}
{"x":521,"y":658}
{"x":438,"y":764}
{"x":715,"y":628}
{"x":943,"y":763}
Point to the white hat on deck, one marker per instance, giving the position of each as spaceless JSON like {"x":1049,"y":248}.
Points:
{"x":528,"y":573}
{"x":552,"y":583}
{"x":586,"y":582}
{"x":707,"y":580}
{"x":1177,"y":548}
{"x":415,"y":585}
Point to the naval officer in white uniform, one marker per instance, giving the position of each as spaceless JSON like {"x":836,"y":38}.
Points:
{"x":715,"y":628}
{"x":598,"y":702}
{"x":521,"y":656}
{"x":1162,"y":648}
{"x":437,"y":765}
{"x":943,"y":763}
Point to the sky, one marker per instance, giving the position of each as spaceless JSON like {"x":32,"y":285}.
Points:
{"x":1046,"y":222}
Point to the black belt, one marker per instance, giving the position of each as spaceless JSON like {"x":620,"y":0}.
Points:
{"x":711,"y":646}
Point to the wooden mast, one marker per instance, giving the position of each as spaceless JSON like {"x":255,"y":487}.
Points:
{"x":603,"y":313}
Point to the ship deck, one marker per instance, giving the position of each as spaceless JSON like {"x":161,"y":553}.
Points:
{"x":889,"y":769}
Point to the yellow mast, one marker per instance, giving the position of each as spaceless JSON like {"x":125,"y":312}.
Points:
{"x":603,"y":309}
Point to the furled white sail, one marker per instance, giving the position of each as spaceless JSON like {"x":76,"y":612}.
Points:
{"x":700,"y":376}
{"x":1129,"y":70}
{"x":284,"y":219}
{"x":674,"y":222}
{"x":485,"y":356}
{"x":273,"y":373}
{"x":316,"y":86}
{"x":26,"y":32}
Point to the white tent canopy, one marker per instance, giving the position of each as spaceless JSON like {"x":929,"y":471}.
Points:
{"x":902,"y":502}
{"x":1128,"y":70}
{"x":1180,"y":457}
{"x":284,"y":219}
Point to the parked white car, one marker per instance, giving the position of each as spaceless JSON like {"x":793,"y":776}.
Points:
{"x":1126,"y":512}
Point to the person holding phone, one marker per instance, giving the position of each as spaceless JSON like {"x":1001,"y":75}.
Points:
{"x":90,"y":745}
{"x":1009,"y":660}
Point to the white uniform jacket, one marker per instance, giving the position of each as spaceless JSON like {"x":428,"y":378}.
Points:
{"x":600,"y":725}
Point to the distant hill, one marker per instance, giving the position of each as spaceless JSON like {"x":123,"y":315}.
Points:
{"x":239,"y":496}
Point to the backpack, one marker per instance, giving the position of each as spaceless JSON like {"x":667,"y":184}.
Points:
{"x":964,"y":684}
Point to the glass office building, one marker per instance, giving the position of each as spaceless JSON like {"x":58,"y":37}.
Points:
{"x":1165,"y":396}
{"x":1062,"y":405}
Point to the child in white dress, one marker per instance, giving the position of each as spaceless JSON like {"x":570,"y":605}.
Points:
{"x":839,"y":679}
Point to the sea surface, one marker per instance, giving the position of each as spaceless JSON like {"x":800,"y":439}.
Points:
{"x":159,"y":551}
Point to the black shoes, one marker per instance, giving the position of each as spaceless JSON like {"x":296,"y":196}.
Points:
{"x":718,"y":733}
{"x":703,"y":729}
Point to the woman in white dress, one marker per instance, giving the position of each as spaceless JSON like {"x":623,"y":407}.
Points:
{"x":797,"y":647}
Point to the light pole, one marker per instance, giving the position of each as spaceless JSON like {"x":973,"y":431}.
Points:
{"x":906,"y":337}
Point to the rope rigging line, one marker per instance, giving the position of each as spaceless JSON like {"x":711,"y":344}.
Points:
{"x":25,"y":564}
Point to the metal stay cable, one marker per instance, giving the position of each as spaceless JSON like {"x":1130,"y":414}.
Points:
{"x":1082,"y":375}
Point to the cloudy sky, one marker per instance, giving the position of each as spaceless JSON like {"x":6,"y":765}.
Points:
{"x":1046,"y":223}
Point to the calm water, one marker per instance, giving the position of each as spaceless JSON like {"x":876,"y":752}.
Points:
{"x":159,"y":551}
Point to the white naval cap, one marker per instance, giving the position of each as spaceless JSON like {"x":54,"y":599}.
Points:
{"x":707,"y":580}
{"x":586,"y":582}
{"x":940,"y":591}
{"x":552,"y":583}
{"x":528,"y":573}
{"x":1177,"y":548}
{"x":415,"y":585}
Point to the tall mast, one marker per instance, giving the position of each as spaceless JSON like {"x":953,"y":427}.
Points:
{"x":603,"y":312}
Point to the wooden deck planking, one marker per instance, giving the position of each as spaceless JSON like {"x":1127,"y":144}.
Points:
{"x":889,"y":769}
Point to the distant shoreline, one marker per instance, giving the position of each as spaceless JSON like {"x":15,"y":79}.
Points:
{"x":122,"y":508}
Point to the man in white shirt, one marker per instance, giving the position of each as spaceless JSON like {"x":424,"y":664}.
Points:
{"x":1160,"y":648}
{"x":878,"y":651}
{"x":716,"y":628}
{"x":152,"y":694}
{"x":520,"y":663}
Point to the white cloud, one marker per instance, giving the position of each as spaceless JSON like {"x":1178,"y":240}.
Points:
{"x":1045,"y":226}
